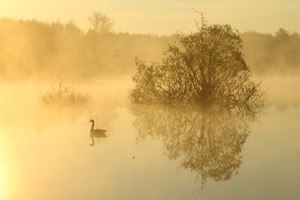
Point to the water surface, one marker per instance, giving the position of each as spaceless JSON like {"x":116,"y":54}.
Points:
{"x":147,"y":154}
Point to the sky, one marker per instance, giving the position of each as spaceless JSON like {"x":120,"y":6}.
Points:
{"x":162,"y":17}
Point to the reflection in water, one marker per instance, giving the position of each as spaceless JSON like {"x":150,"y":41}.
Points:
{"x":96,"y":133}
{"x":207,"y":142}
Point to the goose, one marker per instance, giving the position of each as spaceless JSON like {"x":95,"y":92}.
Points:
{"x":96,"y":133}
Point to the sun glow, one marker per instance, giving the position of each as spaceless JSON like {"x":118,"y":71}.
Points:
{"x":3,"y":180}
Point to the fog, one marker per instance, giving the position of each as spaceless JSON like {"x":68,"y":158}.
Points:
{"x":55,"y":77}
{"x":270,"y":54}
{"x":40,"y":52}
{"x":36,"y":50}
{"x":33,"y":49}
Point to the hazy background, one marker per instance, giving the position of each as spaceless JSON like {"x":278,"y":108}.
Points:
{"x":173,"y":15}
{"x":43,"y":50}
{"x":44,"y":147}
{"x":52,"y":39}
{"x":42,"y":42}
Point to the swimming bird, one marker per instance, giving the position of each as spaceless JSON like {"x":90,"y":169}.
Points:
{"x":96,"y":133}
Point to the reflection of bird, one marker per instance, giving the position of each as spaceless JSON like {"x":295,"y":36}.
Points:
{"x":96,"y":133}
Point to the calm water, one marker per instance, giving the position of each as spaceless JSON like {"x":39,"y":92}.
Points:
{"x":149,"y":153}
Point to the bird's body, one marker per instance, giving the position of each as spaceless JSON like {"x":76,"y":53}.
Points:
{"x":96,"y":133}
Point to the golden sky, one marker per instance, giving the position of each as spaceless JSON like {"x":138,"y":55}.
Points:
{"x":162,"y":16}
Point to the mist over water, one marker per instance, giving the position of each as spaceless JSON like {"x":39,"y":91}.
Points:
{"x":45,"y":148}
{"x":150,"y":152}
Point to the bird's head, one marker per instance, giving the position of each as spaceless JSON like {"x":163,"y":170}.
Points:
{"x":92,"y":120}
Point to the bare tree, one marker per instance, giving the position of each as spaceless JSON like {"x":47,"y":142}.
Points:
{"x":205,"y":67}
{"x":100,"y":23}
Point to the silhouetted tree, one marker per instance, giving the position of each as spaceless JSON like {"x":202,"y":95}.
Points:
{"x":205,"y":67}
{"x":282,"y":34}
{"x":100,"y":23}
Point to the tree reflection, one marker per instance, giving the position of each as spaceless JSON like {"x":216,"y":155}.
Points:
{"x":208,"y":142}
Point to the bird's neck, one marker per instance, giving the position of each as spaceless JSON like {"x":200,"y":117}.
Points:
{"x":92,"y":128}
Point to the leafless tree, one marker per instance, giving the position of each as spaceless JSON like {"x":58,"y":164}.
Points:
{"x":205,"y":67}
{"x":100,"y":23}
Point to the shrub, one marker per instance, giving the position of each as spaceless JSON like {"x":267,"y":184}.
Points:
{"x":205,"y":67}
{"x":64,"y":94}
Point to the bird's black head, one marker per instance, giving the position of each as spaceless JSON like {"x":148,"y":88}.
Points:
{"x":92,"y":120}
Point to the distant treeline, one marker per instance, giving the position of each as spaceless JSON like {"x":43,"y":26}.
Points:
{"x":269,"y":54}
{"x":49,"y":50}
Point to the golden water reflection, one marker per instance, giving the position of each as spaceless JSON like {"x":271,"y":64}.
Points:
{"x":208,"y":142}
{"x":3,"y":180}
